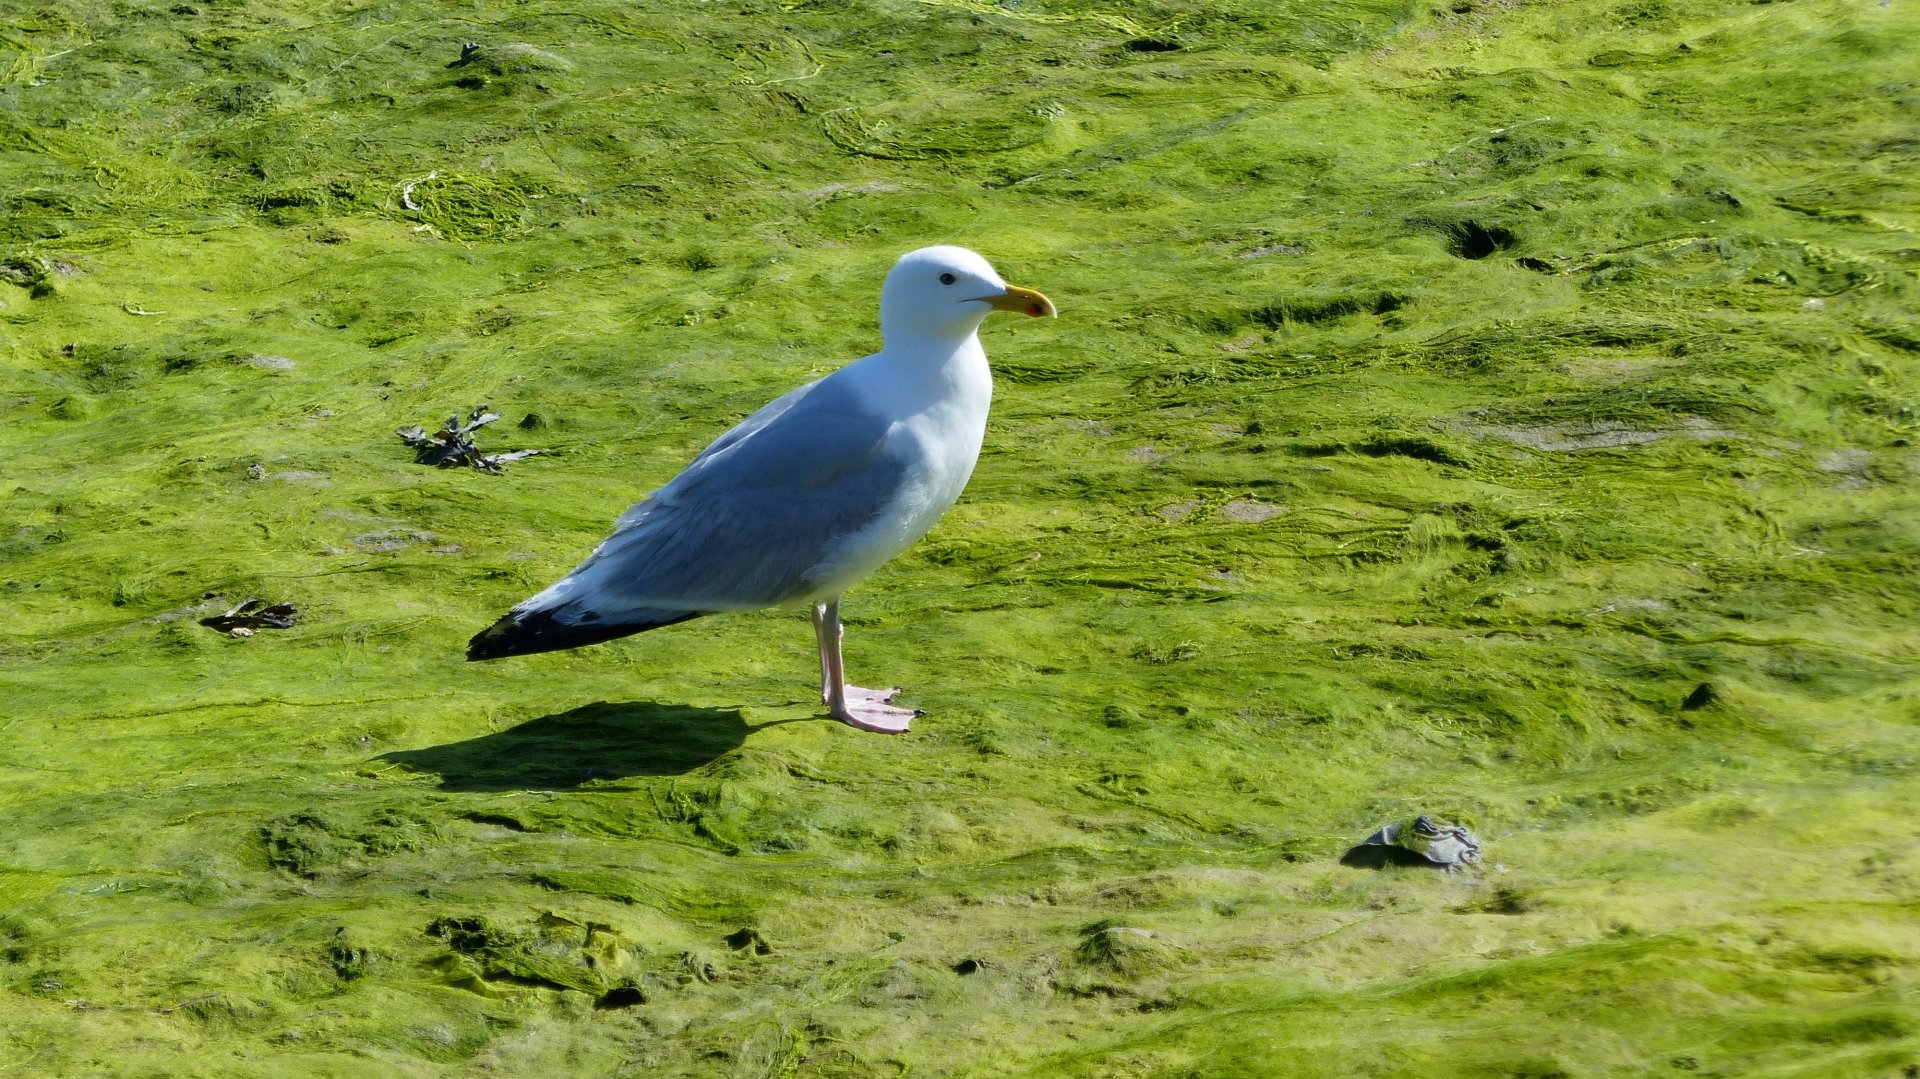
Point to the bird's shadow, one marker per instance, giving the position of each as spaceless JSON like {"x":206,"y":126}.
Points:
{"x":598,"y":741}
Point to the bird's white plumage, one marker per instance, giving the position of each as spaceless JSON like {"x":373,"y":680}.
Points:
{"x":937,"y":437}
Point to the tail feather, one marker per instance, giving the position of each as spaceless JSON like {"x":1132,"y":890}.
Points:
{"x":523,"y":633}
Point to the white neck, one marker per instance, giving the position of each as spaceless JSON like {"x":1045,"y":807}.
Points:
{"x":917,"y":329}
{"x":921,"y":374}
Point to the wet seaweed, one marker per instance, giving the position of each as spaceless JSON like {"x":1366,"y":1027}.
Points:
{"x":1507,"y":409}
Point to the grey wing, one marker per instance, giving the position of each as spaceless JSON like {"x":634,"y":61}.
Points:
{"x":742,"y":527}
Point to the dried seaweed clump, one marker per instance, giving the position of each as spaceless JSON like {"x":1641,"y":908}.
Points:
{"x":244,"y":618}
{"x":452,"y":445}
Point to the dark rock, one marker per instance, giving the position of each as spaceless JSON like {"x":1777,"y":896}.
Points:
{"x":620,"y":996}
{"x":749,"y":940}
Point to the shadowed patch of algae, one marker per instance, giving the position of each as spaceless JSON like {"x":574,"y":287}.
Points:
{"x":1498,"y":410}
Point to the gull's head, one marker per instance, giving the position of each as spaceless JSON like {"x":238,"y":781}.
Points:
{"x":944,"y":292}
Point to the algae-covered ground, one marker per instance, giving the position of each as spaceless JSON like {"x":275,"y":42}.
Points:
{"x":1497,"y":409}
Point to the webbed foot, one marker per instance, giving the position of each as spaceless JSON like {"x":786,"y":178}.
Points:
{"x":874,"y":710}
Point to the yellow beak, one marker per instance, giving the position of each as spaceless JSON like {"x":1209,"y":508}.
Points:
{"x":1024,"y":300}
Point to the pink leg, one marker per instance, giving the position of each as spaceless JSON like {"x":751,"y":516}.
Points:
{"x":820,"y":643}
{"x":867,"y":709}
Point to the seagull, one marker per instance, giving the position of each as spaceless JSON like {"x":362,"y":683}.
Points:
{"x":806,"y":496}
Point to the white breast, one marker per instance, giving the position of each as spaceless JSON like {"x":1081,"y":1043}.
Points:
{"x":939,"y":441}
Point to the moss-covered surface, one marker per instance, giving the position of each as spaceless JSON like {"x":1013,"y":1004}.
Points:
{"x":1496,"y":409}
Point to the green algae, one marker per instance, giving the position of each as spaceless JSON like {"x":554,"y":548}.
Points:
{"x":1444,"y":395}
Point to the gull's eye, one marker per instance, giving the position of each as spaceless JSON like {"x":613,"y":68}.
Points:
{"x":947,"y":279}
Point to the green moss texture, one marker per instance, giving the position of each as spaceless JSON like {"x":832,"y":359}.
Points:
{"x":1501,"y":409}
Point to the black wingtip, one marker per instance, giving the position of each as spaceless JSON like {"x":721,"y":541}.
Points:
{"x":494,"y":642}
{"x":530,"y":632}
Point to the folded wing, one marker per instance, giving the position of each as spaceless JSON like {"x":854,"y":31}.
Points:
{"x":744,"y":526}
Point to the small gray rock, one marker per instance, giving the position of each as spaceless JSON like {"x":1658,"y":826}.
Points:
{"x":1420,"y":841}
